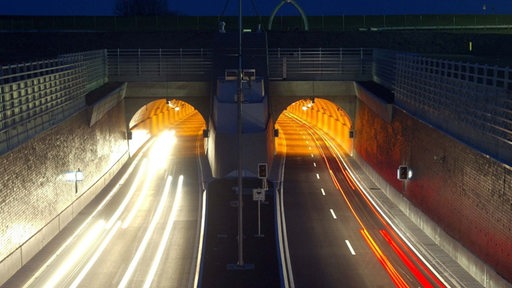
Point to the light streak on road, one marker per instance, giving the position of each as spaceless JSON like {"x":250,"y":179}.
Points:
{"x":77,"y":253}
{"x":352,"y":180}
{"x":415,"y":271}
{"x":323,"y":191}
{"x":87,"y":221}
{"x":149,"y":232}
{"x":317,"y":176}
{"x":128,"y":196}
{"x":167,"y":233}
{"x":96,"y":255}
{"x":159,"y":151}
{"x":395,"y":276}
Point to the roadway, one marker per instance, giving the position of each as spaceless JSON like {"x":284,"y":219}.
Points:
{"x":143,"y":229}
{"x":140,"y":231}
{"x":336,"y":237}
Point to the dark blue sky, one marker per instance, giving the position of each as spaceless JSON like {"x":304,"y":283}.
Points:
{"x":265,"y":7}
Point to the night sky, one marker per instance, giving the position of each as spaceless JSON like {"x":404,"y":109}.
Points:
{"x":265,"y":7}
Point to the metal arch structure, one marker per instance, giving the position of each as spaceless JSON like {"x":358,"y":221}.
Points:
{"x":302,"y":14}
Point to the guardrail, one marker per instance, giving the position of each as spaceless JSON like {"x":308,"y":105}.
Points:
{"x":320,"y":63}
{"x":280,"y":23}
{"x":36,"y":96}
{"x":159,"y":64}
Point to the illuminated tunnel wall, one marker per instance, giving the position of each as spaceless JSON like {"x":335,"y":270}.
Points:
{"x":156,"y":116}
{"x":327,"y":116}
{"x":161,"y":114}
{"x":462,"y":190}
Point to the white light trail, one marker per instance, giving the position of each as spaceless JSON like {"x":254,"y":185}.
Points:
{"x":86,"y":222}
{"x":141,"y":198}
{"x":128,"y":196}
{"x":77,"y":253}
{"x":147,"y":236}
{"x":96,"y":255}
{"x":167,"y":233}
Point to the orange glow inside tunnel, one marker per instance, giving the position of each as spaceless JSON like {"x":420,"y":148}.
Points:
{"x":161,"y":115}
{"x":319,"y":113}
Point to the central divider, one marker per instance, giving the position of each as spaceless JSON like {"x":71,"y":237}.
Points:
{"x":220,"y":242}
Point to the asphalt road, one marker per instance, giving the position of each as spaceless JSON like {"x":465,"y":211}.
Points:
{"x":335,"y":236}
{"x":141,"y":231}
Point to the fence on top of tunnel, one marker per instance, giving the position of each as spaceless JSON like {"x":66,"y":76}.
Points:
{"x":36,"y":96}
{"x":469,"y":101}
{"x":451,"y":94}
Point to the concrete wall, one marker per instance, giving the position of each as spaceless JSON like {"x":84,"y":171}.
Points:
{"x":36,"y":201}
{"x":466,"y":193}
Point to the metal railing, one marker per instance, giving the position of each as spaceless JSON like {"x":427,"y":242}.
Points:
{"x":38,"y":95}
{"x":320,"y":63}
{"x":452,"y":95}
{"x":159,"y":64}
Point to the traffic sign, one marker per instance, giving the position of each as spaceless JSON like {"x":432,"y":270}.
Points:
{"x":258,"y":194}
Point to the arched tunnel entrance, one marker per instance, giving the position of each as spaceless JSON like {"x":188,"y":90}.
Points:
{"x":160,"y":115}
{"x":322,"y":114}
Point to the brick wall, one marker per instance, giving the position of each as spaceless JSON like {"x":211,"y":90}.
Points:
{"x":33,"y":186}
{"x":467,"y":193}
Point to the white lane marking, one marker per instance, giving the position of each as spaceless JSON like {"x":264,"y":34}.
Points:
{"x":323,"y":191}
{"x":333,"y":215}
{"x":312,"y":155}
{"x":314,"y":164}
{"x":96,"y":255}
{"x":317,"y":176}
{"x":350,"y":247}
{"x":165,"y":237}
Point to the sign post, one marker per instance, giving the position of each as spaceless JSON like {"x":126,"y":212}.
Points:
{"x":258,"y":194}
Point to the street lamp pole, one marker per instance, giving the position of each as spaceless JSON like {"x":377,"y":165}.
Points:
{"x":240,"y":154}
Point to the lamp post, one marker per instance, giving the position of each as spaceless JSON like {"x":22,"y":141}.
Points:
{"x":240,"y":154}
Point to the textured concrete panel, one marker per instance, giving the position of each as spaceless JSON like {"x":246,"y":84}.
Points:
{"x":468,"y":194}
{"x":34,"y":187}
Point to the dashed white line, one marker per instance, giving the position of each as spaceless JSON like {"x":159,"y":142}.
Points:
{"x":314,"y":164}
{"x":350,"y":247}
{"x":323,"y":191}
{"x":317,"y":176}
{"x":333,"y":215}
